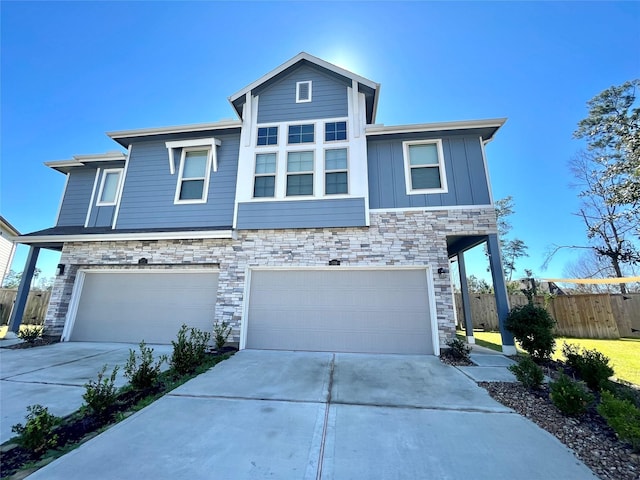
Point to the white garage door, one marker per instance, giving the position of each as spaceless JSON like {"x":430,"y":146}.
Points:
{"x":116,"y":306}
{"x":373,"y":311}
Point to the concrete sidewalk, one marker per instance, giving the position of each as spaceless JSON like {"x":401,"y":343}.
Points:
{"x":295,"y":415}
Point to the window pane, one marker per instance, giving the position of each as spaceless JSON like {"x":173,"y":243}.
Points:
{"x":195,"y":164}
{"x":264,"y":186}
{"x":336,"y":183}
{"x":300,"y":184}
{"x":303,"y":90}
{"x":110,"y":187}
{"x":191,"y":190}
{"x":428,"y":177}
{"x":335,"y":159}
{"x":423,"y":154}
{"x":266,"y":163}
{"x":301,"y":133}
{"x":268,"y":136}
{"x":335,"y":131}
{"x":300,"y":162}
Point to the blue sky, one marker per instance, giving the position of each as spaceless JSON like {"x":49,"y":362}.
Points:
{"x":72,"y":71}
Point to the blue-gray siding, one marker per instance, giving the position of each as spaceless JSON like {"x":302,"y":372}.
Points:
{"x":466,"y":178}
{"x":347,"y":212}
{"x":101,"y":216}
{"x":277,"y":102}
{"x":77,"y":196}
{"x":149,"y":189}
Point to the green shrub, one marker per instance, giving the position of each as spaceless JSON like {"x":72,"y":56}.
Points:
{"x":100,"y":394}
{"x":528,"y":373}
{"x":30,"y":333}
{"x":189,"y":352}
{"x":592,"y":366}
{"x":570,"y":397}
{"x":532,"y":326}
{"x":459,"y":350}
{"x":37,"y":434}
{"x":623,"y":416}
{"x":141,"y":371}
{"x":221,"y":332}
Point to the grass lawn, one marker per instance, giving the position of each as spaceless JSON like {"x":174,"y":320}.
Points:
{"x":624,"y":353}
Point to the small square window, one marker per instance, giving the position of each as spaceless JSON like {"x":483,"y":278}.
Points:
{"x":424,"y":167}
{"x":334,"y":131}
{"x":303,"y":92}
{"x":301,"y":133}
{"x":267,"y":136}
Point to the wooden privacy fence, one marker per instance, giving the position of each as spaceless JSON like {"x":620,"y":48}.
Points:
{"x":34,"y":312}
{"x":582,"y":316}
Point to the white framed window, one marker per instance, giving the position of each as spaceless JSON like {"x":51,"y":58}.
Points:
{"x":193,"y":176}
{"x":335,"y":131}
{"x":267,"y":136}
{"x":302,"y":134}
{"x":424,"y":167}
{"x":299,"y":173}
{"x":303,"y":91}
{"x":109,"y":187}
{"x":336,"y":172}
{"x":264,"y":182}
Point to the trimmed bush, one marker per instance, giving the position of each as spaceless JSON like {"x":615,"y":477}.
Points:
{"x":36,"y":435}
{"x":570,"y":397}
{"x":532,"y":326}
{"x":189,"y":352}
{"x":528,"y":373}
{"x":459,"y":350}
{"x":221,"y":332}
{"x":592,"y":366}
{"x":100,"y":394}
{"x":141,"y":371}
{"x":30,"y":333}
{"x":623,"y":416}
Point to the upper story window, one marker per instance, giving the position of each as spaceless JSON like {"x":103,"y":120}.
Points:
{"x":336,"y":171}
{"x":424,"y":167}
{"x":334,"y":131}
{"x":264,"y":184}
{"x":303,"y":91}
{"x":299,"y":173}
{"x":193,"y":176}
{"x":301,"y":133}
{"x":109,"y":187}
{"x":267,"y":136}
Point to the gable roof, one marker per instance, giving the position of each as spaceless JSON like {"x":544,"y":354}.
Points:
{"x":370,"y":89}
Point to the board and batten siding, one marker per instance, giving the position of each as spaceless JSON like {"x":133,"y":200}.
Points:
{"x":101,"y":216}
{"x":149,"y":189}
{"x":347,"y":212}
{"x":466,"y":177}
{"x":77,"y":196}
{"x":277,"y":101}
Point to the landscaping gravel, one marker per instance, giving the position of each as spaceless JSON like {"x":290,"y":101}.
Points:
{"x":593,"y":442}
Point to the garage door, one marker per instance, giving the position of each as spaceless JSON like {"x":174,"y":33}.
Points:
{"x":374,"y":311}
{"x":132,"y":306}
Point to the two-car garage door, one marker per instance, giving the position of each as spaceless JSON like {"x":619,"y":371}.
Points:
{"x":342,"y":310}
{"x":149,"y":305}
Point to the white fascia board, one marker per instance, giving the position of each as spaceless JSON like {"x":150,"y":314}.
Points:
{"x":200,"y":127}
{"x":81,"y":160}
{"x":293,"y":61}
{"x":433,"y":127}
{"x":123,"y":237}
{"x":7,"y":227}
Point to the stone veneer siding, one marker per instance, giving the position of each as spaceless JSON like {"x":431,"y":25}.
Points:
{"x":407,"y":238}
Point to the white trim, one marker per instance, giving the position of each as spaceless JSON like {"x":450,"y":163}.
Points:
{"x":205,"y":184}
{"x":199,"y":127}
{"x":105,"y":172}
{"x":245,"y":309}
{"x":441,"y":167}
{"x":311,"y":172}
{"x":270,"y":174}
{"x":486,"y":170}
{"x":93,"y":195}
{"x":431,"y":292}
{"x":298,"y":85}
{"x":342,"y":170}
{"x":72,"y":310}
{"x":209,"y":143}
{"x":421,"y":209}
{"x":432,"y":127}
{"x":64,"y":192}
{"x":248,"y":110}
{"x":124,"y":237}
{"x":354,"y":102}
{"x":124,"y":177}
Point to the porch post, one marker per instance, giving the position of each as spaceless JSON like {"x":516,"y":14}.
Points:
{"x":500,"y":289}
{"x":23,"y":292}
{"x":466,"y":304}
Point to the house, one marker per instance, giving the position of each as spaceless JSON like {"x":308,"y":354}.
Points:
{"x":7,"y":247}
{"x":304,"y":224}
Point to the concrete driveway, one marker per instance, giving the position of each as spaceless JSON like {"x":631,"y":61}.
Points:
{"x":293,"y":415}
{"x":54,"y":376}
